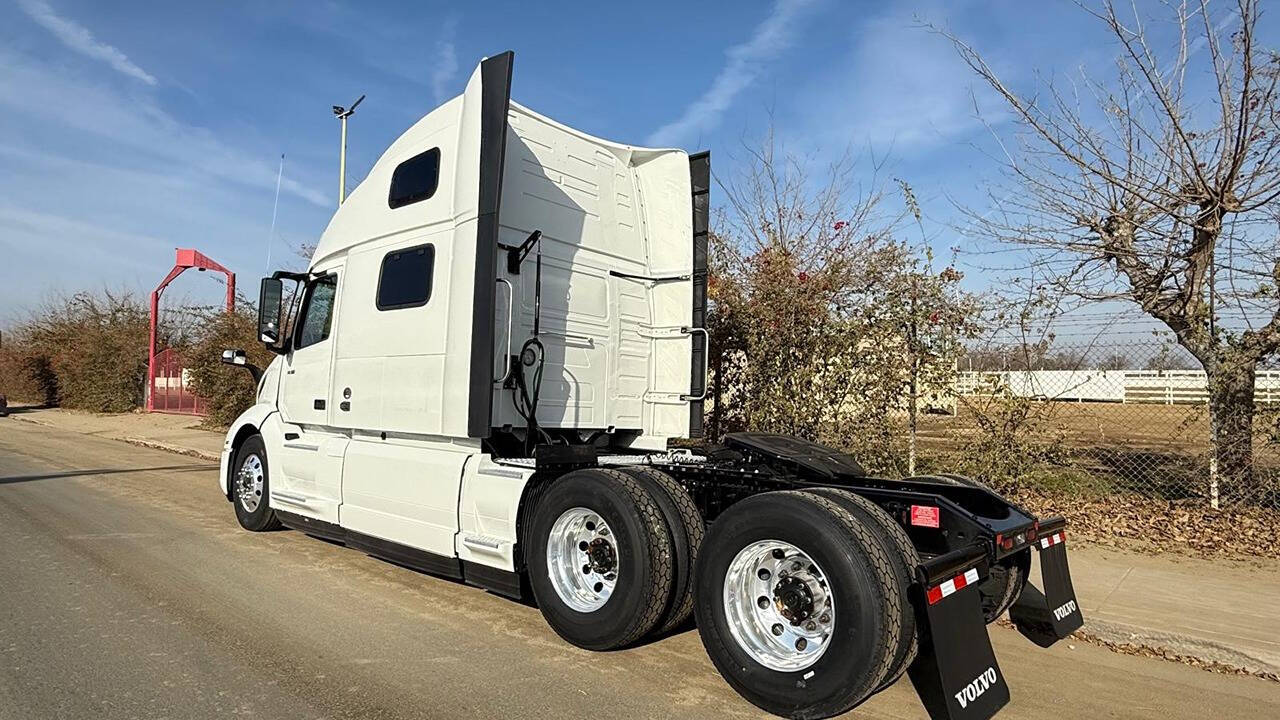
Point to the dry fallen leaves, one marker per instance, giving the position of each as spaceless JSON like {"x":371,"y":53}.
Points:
{"x":1145,"y":650}
{"x":1137,"y":523}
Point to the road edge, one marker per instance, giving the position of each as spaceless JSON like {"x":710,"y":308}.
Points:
{"x":140,"y":442}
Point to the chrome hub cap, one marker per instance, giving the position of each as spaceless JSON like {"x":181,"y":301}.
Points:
{"x":249,"y":483}
{"x":582,"y":559}
{"x":779,"y":607}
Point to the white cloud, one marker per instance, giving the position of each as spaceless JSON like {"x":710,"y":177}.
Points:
{"x":744,"y":64}
{"x":100,"y":183}
{"x":78,"y":38}
{"x":900,"y":88}
{"x":446,"y":62}
{"x":137,"y":124}
{"x":70,"y":239}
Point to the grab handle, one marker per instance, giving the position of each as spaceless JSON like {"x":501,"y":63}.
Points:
{"x":511,"y":312}
{"x":706,"y":361}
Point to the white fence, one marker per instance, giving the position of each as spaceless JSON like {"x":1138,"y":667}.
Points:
{"x":1165,"y":387}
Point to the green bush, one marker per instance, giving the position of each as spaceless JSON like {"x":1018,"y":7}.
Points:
{"x":89,"y":352}
{"x":85,"y":351}
{"x":227,"y":390}
{"x":26,"y":376}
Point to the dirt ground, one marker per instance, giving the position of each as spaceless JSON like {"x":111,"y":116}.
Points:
{"x":130,"y":592}
{"x":1181,"y":429}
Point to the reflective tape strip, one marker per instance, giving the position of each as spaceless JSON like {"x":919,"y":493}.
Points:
{"x":949,"y":587}
{"x":1051,"y":540}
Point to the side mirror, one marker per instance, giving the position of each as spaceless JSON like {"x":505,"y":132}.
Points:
{"x":235,"y":356}
{"x":270,"y":310}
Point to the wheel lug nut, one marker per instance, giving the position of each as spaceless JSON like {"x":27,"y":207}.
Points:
{"x":763,"y":574}
{"x":825,"y":618}
{"x":811,"y":626}
{"x":795,"y":567}
{"x":801,"y":644}
{"x":777,"y":628}
{"x":763,"y":602}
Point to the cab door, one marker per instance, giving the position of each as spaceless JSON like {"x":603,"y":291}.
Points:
{"x":305,"y":386}
{"x":310,"y":465}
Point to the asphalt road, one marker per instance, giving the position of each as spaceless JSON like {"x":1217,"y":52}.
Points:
{"x":127,"y":590}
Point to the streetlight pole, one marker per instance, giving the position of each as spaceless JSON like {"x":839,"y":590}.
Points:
{"x":342,"y":114}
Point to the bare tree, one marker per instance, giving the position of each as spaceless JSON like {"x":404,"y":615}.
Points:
{"x":793,"y":259}
{"x":1158,"y":184}
{"x":824,"y":324}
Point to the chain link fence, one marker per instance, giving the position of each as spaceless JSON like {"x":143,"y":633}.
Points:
{"x":1098,"y":419}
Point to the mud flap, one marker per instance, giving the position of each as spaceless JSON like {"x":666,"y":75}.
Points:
{"x":956,"y":674}
{"x":1049,"y":616}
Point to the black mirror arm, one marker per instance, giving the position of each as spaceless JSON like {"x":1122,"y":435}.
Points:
{"x":301,"y":277}
{"x":255,"y":371}
{"x":278,"y":347}
{"x":236,"y":358}
{"x":517,"y":254}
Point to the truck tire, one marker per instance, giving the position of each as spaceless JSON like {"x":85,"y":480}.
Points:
{"x":1005,"y":581}
{"x":1007,"y":577}
{"x":954,"y":479}
{"x":686,"y":527}
{"x":251,"y":487}
{"x":797,"y":604}
{"x":600,"y":560}
{"x":902,"y":556}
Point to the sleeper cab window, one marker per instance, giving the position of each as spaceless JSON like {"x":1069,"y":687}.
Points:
{"x":415,"y":179}
{"x":405,"y":278}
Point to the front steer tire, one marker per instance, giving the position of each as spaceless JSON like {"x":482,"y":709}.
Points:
{"x":857,"y":573}
{"x":251,"y":500}
{"x":638,"y":550}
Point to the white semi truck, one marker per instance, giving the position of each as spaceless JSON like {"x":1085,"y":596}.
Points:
{"x":479,"y":376}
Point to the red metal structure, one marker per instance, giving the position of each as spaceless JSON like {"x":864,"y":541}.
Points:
{"x":169,"y":393}
{"x":173,"y":397}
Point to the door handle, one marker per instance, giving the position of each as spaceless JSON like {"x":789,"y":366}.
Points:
{"x":291,"y":436}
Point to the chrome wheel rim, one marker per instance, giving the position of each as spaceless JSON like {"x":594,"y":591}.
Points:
{"x":249,"y":483}
{"x":779,"y":606}
{"x":582,"y":559}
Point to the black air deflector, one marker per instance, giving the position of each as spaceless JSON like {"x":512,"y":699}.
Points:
{"x":700,"y":183}
{"x":495,"y":100}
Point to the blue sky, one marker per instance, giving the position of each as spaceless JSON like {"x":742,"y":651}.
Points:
{"x":131,"y":128}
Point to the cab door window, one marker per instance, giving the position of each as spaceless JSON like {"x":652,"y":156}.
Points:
{"x":317,"y":312}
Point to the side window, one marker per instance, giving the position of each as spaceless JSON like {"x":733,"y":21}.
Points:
{"x":317,"y":312}
{"x":415,"y":179}
{"x":405,"y":279}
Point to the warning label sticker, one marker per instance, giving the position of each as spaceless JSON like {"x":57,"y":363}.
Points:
{"x":925,"y":516}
